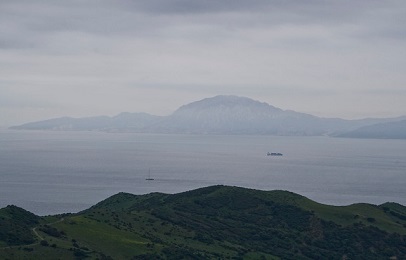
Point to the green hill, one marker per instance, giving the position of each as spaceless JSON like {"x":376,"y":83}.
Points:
{"x":16,"y":225}
{"x":217,"y":222}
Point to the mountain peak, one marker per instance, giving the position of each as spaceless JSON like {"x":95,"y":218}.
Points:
{"x":226,"y":101}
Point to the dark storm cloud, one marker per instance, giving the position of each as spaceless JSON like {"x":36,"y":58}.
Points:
{"x":24,"y":21}
{"x":197,"y":7}
{"x":273,"y":12}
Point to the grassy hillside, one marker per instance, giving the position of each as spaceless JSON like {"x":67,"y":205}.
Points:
{"x":215,"y":222}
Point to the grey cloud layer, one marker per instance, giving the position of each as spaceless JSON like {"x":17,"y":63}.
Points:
{"x":133,"y":17}
{"x":97,"y":54}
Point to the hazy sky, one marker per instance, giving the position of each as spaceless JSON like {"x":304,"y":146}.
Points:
{"x":78,"y":58}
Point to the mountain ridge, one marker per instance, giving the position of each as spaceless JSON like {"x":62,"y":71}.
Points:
{"x":223,"y":114}
{"x":392,"y":130}
{"x":210,"y":222}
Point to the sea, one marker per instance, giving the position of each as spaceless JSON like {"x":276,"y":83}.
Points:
{"x":51,"y":172}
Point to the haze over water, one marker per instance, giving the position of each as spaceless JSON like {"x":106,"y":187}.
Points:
{"x":59,"y":172}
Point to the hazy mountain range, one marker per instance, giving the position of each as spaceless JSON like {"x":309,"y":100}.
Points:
{"x":228,"y":115}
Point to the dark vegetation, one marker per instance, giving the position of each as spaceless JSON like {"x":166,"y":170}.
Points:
{"x":216,"y":222}
{"x":15,"y":226}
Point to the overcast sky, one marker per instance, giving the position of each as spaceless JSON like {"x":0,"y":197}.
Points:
{"x":79,"y":58}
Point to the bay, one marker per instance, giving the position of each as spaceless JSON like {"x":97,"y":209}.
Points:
{"x":58,"y":172}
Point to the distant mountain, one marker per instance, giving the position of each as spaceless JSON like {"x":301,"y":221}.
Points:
{"x":236,"y":115}
{"x":217,"y":222}
{"x":216,"y":115}
{"x":391,"y":130}
{"x":124,"y":122}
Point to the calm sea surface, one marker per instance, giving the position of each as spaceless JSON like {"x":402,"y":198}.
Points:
{"x":59,"y":172}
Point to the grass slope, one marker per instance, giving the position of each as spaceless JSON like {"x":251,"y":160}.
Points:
{"x":216,"y":222}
